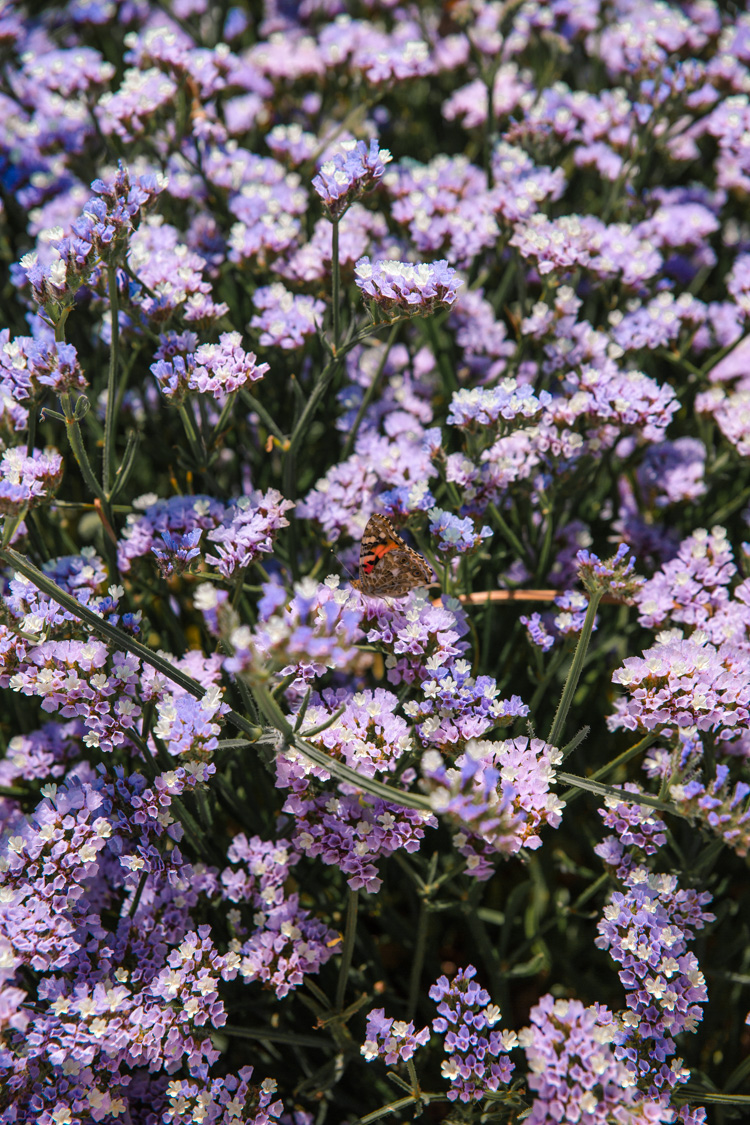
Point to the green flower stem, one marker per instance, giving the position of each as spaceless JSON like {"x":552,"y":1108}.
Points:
{"x":223,"y":418}
{"x":31,"y":439}
{"x":391,"y":1108}
{"x":10,"y":524}
{"x":114,"y":350}
{"x":415,"y":1088}
{"x":347,"y":949}
{"x":417,"y":961}
{"x":633,"y":752}
{"x":118,"y":638}
{"x":445,"y":364}
{"x":79,"y":450}
{"x":624,"y":795}
{"x":336,"y":284}
{"x":571,"y":683}
{"x":192,"y":435}
{"x":257,"y":406}
{"x":369,"y":394}
{"x":508,"y":534}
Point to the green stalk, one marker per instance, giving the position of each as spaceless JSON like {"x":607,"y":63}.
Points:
{"x":79,"y":450}
{"x":347,"y":950}
{"x":417,"y":963}
{"x":571,"y":683}
{"x":633,"y":752}
{"x":109,"y":421}
{"x":508,"y":534}
{"x":192,"y":435}
{"x":369,"y":395}
{"x":336,"y":284}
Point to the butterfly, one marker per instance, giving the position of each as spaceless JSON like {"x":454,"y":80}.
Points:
{"x":388,"y":568}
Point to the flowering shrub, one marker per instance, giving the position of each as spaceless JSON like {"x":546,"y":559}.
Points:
{"x":275,"y":844}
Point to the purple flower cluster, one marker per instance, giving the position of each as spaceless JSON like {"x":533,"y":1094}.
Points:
{"x":391,"y":1040}
{"x":26,"y":482}
{"x":575,"y":1072}
{"x":286,"y":319}
{"x":401,"y":289}
{"x":350,"y":173}
{"x":248,"y":530}
{"x":215,"y":369}
{"x":477,"y":1060}
{"x":348,"y":829}
{"x":498,"y":795}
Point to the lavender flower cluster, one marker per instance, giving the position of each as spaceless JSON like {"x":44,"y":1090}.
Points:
{"x":302,"y":303}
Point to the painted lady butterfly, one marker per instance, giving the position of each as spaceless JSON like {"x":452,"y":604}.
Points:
{"x":388,"y":568}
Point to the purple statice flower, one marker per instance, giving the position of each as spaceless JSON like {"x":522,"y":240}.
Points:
{"x":456,"y":536}
{"x":476,"y":1056}
{"x":646,"y":929}
{"x":260,"y":870}
{"x":730,"y":408}
{"x":349,"y":829}
{"x":721,"y":805}
{"x":574,"y":1070}
{"x":352,"y":831}
{"x":445,"y":206}
{"x":219,"y":1101}
{"x":172,"y":277}
{"x":287,"y":945}
{"x":286,"y":319}
{"x":83,"y":679}
{"x":403,"y":289}
{"x":349,"y":173}
{"x":614,"y":576}
{"x":638,"y":833}
{"x":738,"y":283}
{"x":248,"y":530}
{"x":672,"y":472}
{"x":545,"y":630}
{"x":478,"y":406}
{"x":360,"y":231}
{"x":396,"y":462}
{"x":187,"y":726}
{"x":31,"y":367}
{"x":658,"y":323}
{"x":684,"y":682}
{"x":498,"y":793}
{"x":292,"y":143}
{"x":27,"y":482}
{"x":316,"y":628}
{"x":84,"y":576}
{"x":178,"y":551}
{"x":178,"y":515}
{"x":143,"y":96}
{"x":537,"y":631}
{"x":456,"y":706}
{"x":41,"y":755}
{"x":417,"y":636}
{"x":691,"y":588}
{"x":220,"y":369}
{"x":482,"y":338}
{"x":391,"y":1040}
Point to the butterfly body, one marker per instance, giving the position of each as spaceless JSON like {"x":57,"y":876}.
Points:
{"x":388,"y":567}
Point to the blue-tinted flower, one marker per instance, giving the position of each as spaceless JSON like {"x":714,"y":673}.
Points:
{"x":402,"y":289}
{"x":349,"y":173}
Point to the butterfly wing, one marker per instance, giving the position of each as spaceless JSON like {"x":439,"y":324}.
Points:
{"x":388,"y":567}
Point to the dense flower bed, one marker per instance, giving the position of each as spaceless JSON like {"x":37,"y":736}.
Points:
{"x":311,"y":816}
